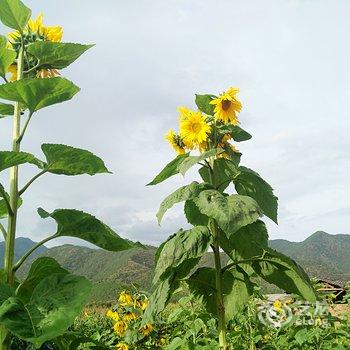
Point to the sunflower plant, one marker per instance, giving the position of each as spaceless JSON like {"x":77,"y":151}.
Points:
{"x":45,"y":304}
{"x":225,"y":210}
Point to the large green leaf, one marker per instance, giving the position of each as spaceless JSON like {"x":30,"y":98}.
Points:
{"x":184,"y":245}
{"x":224,"y":171}
{"x":56,"y":55}
{"x":236,"y":132}
{"x":190,"y":161}
{"x":14,"y":14}
{"x":7,"y":57}
{"x":236,"y":289}
{"x":40,"y":269}
{"x":166,"y":287}
{"x":285,"y":273}
{"x":249,"y":183}
{"x":182,"y":194}
{"x":6,"y":291}
{"x":251,"y":241}
{"x":52,"y":308}
{"x":5,"y":110}
{"x":160,"y":297}
{"x":203,"y":103}
{"x":169,"y":170}
{"x":9,"y":159}
{"x":75,"y":223}
{"x":230,"y":212}
{"x":67,"y":160}
{"x":193,"y":215}
{"x":39,"y":93}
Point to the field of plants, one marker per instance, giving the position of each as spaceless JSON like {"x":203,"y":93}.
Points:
{"x":190,"y":306}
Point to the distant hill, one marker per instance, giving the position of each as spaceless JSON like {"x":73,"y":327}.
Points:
{"x":322,"y":255}
{"x":22,"y":245}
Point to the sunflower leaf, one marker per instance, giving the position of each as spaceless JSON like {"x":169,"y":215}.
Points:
{"x":56,"y":55}
{"x":203,"y":103}
{"x":39,"y":93}
{"x":182,"y":194}
{"x":193,"y":160}
{"x":67,"y":160}
{"x":6,"y":110}
{"x":169,"y":170}
{"x":75,"y":223}
{"x":7,"y":57}
{"x":14,"y":14}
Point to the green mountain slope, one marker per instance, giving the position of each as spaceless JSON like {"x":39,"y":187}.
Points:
{"x":22,"y":245}
{"x":322,"y":255}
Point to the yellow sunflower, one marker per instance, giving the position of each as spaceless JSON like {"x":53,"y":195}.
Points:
{"x":125,"y":299}
{"x":143,"y":303}
{"x":120,"y":327}
{"x":113,"y":315}
{"x":227,"y":106}
{"x":147,"y":329}
{"x":175,"y":142}
{"x":193,"y":129}
{"x":129,"y":316}
{"x":34,"y":31}
{"x":122,"y":346}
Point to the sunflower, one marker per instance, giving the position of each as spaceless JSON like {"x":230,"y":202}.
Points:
{"x":147,"y":329}
{"x":120,"y":327}
{"x":193,"y":128}
{"x":175,"y":141}
{"x":33,"y":32}
{"x":113,"y":315}
{"x":122,"y":346}
{"x":129,"y":316}
{"x":142,"y":303}
{"x":125,"y":299}
{"x":227,"y":106}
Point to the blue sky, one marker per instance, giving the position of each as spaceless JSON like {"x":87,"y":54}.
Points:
{"x":290,"y":60}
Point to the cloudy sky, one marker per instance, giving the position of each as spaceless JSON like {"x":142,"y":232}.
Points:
{"x":289,"y":58}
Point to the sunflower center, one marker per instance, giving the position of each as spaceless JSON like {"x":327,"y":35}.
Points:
{"x":225,"y":104}
{"x":196,"y":127}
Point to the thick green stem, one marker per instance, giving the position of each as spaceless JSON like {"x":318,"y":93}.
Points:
{"x":218,"y":282}
{"x":213,"y":226}
{"x":12,"y":220}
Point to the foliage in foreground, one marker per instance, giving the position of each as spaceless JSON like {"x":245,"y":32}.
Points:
{"x":45,"y":304}
{"x":186,"y":325}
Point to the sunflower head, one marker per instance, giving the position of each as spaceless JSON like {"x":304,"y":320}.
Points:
{"x":226,"y":106}
{"x":125,"y":299}
{"x":113,"y":315}
{"x":194,"y":128}
{"x":129,"y":316}
{"x":120,"y":327}
{"x":34,"y":31}
{"x":122,"y":346}
{"x":175,"y":141}
{"x":147,"y":329}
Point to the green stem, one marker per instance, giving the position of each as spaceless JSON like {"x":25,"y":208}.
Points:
{"x":31,"y":181}
{"x":20,"y":137}
{"x":3,"y":231}
{"x":218,"y":282}
{"x":213,"y":226}
{"x":12,"y":219}
{"x":30,"y":251}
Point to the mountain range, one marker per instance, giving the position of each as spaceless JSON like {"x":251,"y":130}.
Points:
{"x":322,"y":255}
